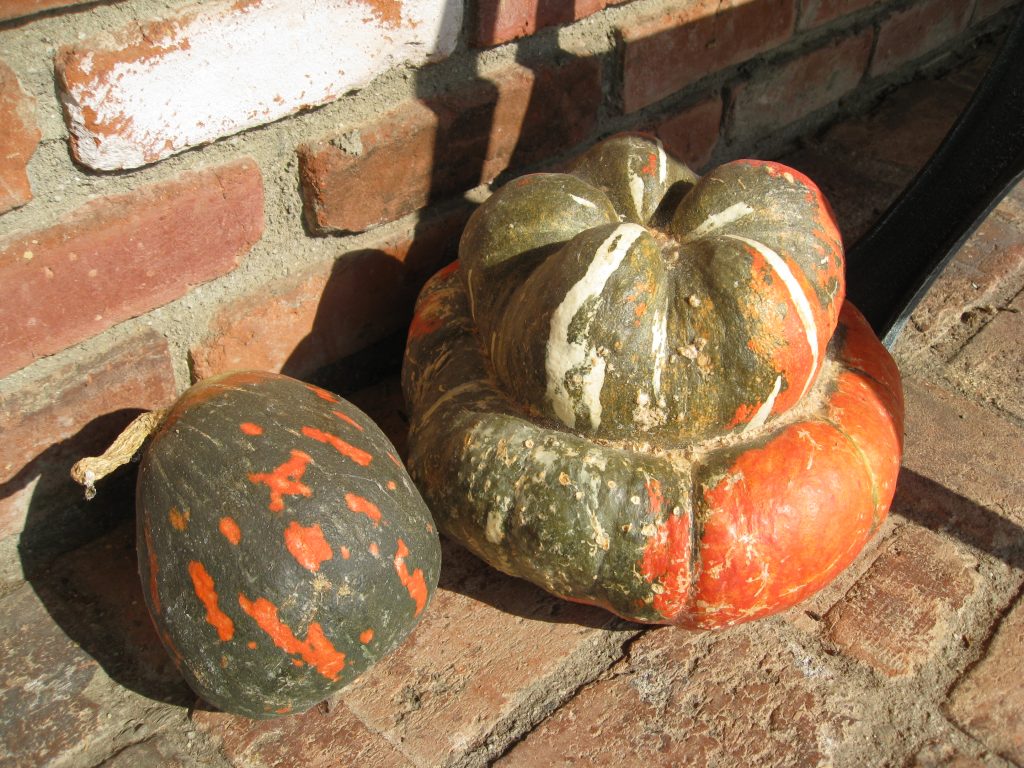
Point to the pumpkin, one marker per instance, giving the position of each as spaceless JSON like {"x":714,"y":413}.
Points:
{"x":642,"y":390}
{"x":283,"y":548}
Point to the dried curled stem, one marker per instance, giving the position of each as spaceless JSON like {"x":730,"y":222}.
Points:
{"x":88,"y":471}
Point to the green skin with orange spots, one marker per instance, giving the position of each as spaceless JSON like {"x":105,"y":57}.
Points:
{"x":705,"y":436}
{"x":283,"y":548}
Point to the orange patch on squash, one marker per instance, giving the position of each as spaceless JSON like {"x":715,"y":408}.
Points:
{"x":781,"y":523}
{"x":307,"y":545}
{"x":323,"y":394}
{"x":316,"y":650}
{"x":374,"y":549}
{"x":179,"y":519}
{"x":652,"y":166}
{"x":392,"y":485}
{"x":362,"y":506}
{"x":654,"y":496}
{"x":230,"y":529}
{"x":250,"y":429}
{"x":358,"y":455}
{"x":252,"y":645}
{"x":348,"y":420}
{"x":345,"y":553}
{"x":206,"y":591}
{"x":394,"y":460}
{"x":366,"y":636}
{"x":414,"y":582}
{"x":285,"y":480}
{"x":667,"y":560}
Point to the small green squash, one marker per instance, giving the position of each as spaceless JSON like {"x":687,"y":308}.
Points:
{"x":283,"y":548}
{"x":641,"y":389}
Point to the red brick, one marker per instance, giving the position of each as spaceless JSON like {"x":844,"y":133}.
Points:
{"x":424,"y":152}
{"x":120,"y":256}
{"x":692,"y":135}
{"x":242,"y":64}
{"x":991,"y":365}
{"x":906,"y":129}
{"x":987,"y":702}
{"x":331,"y":311}
{"x":18,"y":140}
{"x":939,"y":426}
{"x":83,"y":672}
{"x":667,"y":52}
{"x":985,"y":271}
{"x":75,"y":412}
{"x":782,"y":95}
{"x":14,"y":9}
{"x":903,"y":610}
{"x":917,"y":31}
{"x":498,"y":21}
{"x":314,"y":739}
{"x":491,"y":657}
{"x":814,"y":13}
{"x":739,"y":698}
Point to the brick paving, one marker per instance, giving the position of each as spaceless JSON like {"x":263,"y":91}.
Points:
{"x":913,"y":657}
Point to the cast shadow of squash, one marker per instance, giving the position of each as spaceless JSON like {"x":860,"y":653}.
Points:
{"x":80,"y":559}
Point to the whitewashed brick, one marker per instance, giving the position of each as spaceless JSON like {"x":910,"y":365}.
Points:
{"x":153,"y":89}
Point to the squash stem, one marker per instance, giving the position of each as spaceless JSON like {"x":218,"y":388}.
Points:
{"x":88,"y":471}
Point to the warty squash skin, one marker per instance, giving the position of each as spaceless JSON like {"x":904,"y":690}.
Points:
{"x":283,"y":548}
{"x":642,"y":390}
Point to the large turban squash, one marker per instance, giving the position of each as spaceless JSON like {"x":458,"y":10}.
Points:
{"x":641,"y":389}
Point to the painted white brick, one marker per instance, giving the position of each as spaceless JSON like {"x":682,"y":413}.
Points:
{"x":154,"y":89}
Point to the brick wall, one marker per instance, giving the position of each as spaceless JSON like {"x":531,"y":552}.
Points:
{"x":189,"y":188}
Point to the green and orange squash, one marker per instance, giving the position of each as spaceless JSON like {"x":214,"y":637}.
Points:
{"x":283,"y":548}
{"x":642,"y":390}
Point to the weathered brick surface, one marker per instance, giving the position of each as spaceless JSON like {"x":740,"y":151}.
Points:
{"x":117,"y":257}
{"x":987,"y":703}
{"x":917,"y":31}
{"x":987,"y":8}
{"x":168,"y":749}
{"x":82,"y":668}
{"x":906,"y":128}
{"x":237,"y":62}
{"x":498,"y":21}
{"x":692,"y":135}
{"x":667,"y":52}
{"x":942,"y":755}
{"x":902,"y":611}
{"x":449,"y":144}
{"x":315,"y":739}
{"x":18,"y":140}
{"x":14,"y":9}
{"x":328,"y":312}
{"x":991,"y":365}
{"x":982,"y":275}
{"x":964,"y":448}
{"x":814,"y":13}
{"x":732,"y":699}
{"x":799,"y":87}
{"x":76,"y":412}
{"x":492,"y":655}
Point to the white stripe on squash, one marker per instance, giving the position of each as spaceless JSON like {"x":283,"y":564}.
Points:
{"x":799,"y":298}
{"x":716,"y":221}
{"x":659,"y":349}
{"x":766,"y":407}
{"x":563,"y":355}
